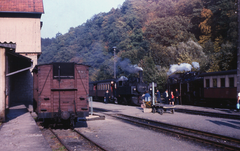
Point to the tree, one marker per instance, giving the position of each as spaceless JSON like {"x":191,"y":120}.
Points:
{"x":168,"y":31}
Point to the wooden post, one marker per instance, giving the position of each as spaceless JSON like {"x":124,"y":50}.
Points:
{"x":238,"y":51}
{"x":2,"y":84}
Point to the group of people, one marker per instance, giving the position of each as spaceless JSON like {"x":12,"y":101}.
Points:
{"x":172,"y":98}
{"x":168,"y":98}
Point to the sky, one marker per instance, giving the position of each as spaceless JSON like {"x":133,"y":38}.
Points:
{"x":60,"y":15}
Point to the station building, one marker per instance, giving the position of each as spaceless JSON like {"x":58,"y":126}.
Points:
{"x":20,"y":47}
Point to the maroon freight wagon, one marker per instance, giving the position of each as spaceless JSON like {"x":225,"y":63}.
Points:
{"x":61,"y":92}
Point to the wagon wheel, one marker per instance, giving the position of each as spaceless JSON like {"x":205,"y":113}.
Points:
{"x":153,"y":109}
{"x":160,"y":111}
{"x":124,"y":101}
{"x":172,"y":111}
{"x":115,"y":100}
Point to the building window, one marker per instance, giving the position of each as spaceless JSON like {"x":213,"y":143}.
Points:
{"x":231,"y":82}
{"x":222,"y":82}
{"x":215,"y":82}
{"x":207,"y":83}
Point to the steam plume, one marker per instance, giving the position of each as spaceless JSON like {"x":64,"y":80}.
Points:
{"x":195,"y":65}
{"x":182,"y":67}
{"x":126,"y":66}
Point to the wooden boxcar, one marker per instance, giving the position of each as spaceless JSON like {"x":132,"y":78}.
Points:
{"x":61,"y":91}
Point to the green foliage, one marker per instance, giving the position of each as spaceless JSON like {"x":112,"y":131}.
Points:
{"x":152,"y":34}
{"x":171,"y":30}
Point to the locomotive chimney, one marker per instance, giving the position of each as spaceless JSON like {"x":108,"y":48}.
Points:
{"x":141,"y":76}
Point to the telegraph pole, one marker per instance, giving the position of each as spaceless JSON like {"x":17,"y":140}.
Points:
{"x":114,"y":60}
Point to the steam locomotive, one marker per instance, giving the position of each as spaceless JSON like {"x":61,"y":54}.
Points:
{"x":214,"y":89}
{"x":122,"y":90}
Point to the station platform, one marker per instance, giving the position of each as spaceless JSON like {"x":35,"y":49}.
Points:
{"x":208,"y":109}
{"x":20,"y":132}
{"x":221,"y":126}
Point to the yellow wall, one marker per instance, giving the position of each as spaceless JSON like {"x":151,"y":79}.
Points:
{"x":25,"y":32}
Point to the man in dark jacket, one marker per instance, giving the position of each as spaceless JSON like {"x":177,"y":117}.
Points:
{"x":177,"y":96}
{"x":158,"y":95}
{"x":106,"y":97}
{"x":165,"y":95}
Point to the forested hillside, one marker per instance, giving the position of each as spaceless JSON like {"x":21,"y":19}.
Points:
{"x":152,"y":34}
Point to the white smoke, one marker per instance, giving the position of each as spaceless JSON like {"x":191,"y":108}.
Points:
{"x":195,"y":65}
{"x":122,"y":78}
{"x":183,"y":67}
{"x":126,"y":66}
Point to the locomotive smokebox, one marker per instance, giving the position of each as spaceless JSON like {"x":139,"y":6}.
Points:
{"x":141,"y":76}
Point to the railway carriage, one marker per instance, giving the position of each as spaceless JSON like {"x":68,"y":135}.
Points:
{"x":221,"y":87}
{"x":216,"y":89}
{"x":61,"y":92}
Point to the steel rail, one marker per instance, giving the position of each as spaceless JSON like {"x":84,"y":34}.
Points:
{"x":79,"y":133}
{"x":59,"y":139}
{"x":91,"y":141}
{"x":209,"y":114}
{"x":182,"y":131}
{"x":217,"y":136}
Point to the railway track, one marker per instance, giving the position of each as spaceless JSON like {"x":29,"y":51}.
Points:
{"x":219,"y":141}
{"x":193,"y":112}
{"x":210,"y":114}
{"x":73,"y":140}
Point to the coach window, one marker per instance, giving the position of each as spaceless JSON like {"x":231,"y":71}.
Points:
{"x":231,"y":82}
{"x":222,"y":82}
{"x":215,"y":82}
{"x":207,"y":83}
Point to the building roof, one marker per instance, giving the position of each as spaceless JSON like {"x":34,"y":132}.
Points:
{"x":23,"y":6}
{"x":229,"y":72}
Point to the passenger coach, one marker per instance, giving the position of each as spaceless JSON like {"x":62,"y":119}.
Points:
{"x":216,"y":89}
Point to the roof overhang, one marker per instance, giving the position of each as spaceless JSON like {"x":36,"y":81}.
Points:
{"x":8,"y":45}
{"x":20,"y":14}
{"x":16,"y":62}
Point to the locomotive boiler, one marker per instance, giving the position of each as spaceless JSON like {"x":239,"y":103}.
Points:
{"x":61,"y":92}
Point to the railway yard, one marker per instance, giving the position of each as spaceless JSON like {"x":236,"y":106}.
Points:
{"x":119,"y":127}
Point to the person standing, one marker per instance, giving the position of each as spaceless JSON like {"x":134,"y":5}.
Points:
{"x":158,"y":95}
{"x":177,"y":96}
{"x":106,"y":97}
{"x":172,"y":99}
{"x":166,"y":96}
{"x":238,"y":98}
